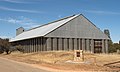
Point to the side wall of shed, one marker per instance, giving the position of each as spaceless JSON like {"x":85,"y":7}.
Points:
{"x":33,"y":45}
{"x":63,"y":44}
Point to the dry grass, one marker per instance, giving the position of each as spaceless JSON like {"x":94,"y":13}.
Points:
{"x":57,"y":60}
{"x":52,"y":57}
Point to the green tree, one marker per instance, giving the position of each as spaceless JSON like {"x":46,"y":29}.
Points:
{"x":5,"y":45}
{"x":106,"y":31}
{"x":113,"y":47}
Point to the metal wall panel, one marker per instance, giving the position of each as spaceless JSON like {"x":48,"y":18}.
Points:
{"x":83,"y":44}
{"x":106,"y":45}
{"x":55,"y":44}
{"x":30,"y":46}
{"x":87,"y":45}
{"x":75,"y":44}
{"x":92,"y":46}
{"x":70,"y":44}
{"x":48,"y":44}
{"x":79,"y":44}
{"x":65,"y":44}
{"x":39,"y":47}
{"x":37,"y":44}
{"x":60,"y":44}
{"x":103,"y":46}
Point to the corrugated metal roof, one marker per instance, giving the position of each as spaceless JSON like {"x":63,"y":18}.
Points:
{"x":42,"y":30}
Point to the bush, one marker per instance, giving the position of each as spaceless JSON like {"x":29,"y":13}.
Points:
{"x":113,"y":47}
{"x":4,"y":45}
{"x":16,"y":48}
{"x":118,"y":51}
{"x":1,"y":50}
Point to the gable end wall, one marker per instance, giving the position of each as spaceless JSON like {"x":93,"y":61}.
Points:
{"x":79,"y":27}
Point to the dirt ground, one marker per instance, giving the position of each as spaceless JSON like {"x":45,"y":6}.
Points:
{"x":64,"y":60}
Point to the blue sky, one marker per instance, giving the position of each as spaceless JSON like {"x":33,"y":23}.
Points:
{"x":105,"y":14}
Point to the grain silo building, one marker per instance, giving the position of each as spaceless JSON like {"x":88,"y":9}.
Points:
{"x":75,"y":32}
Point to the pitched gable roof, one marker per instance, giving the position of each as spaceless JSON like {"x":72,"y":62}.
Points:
{"x":42,"y":30}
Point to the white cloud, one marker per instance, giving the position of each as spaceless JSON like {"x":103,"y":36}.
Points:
{"x":19,"y":10}
{"x":22,"y":21}
{"x":15,"y":1}
{"x":4,"y":37}
{"x":22,"y":1}
{"x":102,"y":12}
{"x":31,"y":26}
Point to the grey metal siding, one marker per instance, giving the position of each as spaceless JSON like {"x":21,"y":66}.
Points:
{"x":65,"y":44}
{"x":60,"y":44}
{"x":79,"y":27}
{"x":70,"y":44}
{"x":48,"y":44}
{"x":75,"y":44}
{"x":54,"y":44}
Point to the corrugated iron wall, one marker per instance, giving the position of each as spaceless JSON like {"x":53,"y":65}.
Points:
{"x":60,"y":44}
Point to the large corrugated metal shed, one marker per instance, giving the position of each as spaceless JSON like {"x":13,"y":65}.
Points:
{"x":42,"y":30}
